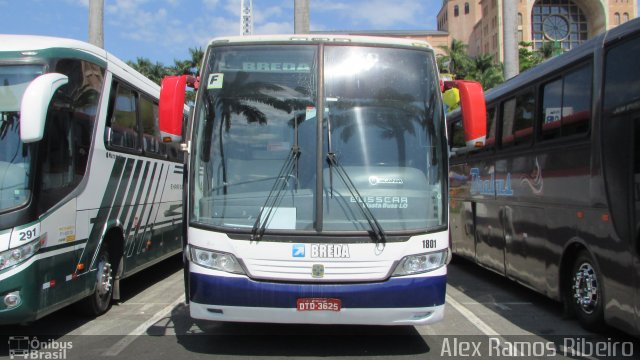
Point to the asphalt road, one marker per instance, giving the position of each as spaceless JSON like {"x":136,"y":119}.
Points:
{"x":486,"y":316}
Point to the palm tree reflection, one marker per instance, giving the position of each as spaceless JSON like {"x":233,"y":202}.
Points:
{"x":391,"y":113}
{"x":245,"y":98}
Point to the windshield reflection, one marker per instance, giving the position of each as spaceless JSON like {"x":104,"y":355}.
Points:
{"x":381,"y":118}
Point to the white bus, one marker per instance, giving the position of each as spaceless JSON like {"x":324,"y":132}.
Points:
{"x":317,"y":181}
{"x":89,"y":192}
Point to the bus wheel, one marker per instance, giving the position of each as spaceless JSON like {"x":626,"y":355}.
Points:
{"x":586,"y":291}
{"x":99,"y":302}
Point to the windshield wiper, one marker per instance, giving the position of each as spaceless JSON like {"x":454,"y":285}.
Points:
{"x":375,"y":226}
{"x":371,"y":219}
{"x":274,"y":196}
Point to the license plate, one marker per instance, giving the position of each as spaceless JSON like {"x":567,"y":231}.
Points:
{"x":319,"y":304}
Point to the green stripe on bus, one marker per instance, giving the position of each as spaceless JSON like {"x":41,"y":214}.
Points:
{"x":132,"y":190}
{"x":144,"y":206}
{"x":62,"y":246}
{"x":103,"y":212}
{"x":129,"y":206}
{"x":143,"y":181}
{"x":149,"y":220}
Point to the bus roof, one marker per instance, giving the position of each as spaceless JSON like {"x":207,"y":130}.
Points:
{"x":34,"y":42}
{"x":27,"y":43}
{"x":326,"y":38}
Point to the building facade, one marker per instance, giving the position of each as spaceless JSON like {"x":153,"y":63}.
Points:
{"x":566,"y":23}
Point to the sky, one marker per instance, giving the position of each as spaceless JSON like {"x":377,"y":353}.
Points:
{"x":164,"y":30}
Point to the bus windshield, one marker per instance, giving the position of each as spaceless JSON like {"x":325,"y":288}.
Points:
{"x":15,"y":157}
{"x":256,"y":139}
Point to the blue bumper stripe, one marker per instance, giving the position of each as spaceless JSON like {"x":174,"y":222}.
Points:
{"x":393,"y":293}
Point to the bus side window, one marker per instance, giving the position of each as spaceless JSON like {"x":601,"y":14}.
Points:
{"x":566,"y":105}
{"x":506,"y":119}
{"x":151,"y":140}
{"x":172,"y":149}
{"x":122,"y":129}
{"x":492,"y":116}
{"x":517,"y":119}
{"x":621,"y":85}
{"x":576,"y":102}
{"x":457,"y":134}
{"x":551,"y":109}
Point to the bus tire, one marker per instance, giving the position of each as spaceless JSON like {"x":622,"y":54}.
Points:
{"x":585,"y":287}
{"x":100,"y":301}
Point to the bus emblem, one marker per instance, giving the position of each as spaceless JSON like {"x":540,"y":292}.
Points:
{"x":317,"y":271}
{"x":374,"y":180}
{"x":297,"y":250}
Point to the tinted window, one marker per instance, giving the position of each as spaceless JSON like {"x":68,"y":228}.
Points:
{"x":456,"y":133}
{"x":517,"y":119}
{"x":492,"y":115}
{"x":622,"y":80}
{"x":69,"y":128}
{"x":172,"y":149}
{"x":566,"y":104}
{"x":151,"y":140}
{"x":551,"y":109}
{"x":576,"y":102}
{"x":123,"y":130}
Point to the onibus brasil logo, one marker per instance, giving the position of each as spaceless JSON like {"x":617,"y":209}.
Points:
{"x":24,"y":347}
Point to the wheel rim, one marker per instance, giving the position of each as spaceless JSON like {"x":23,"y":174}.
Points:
{"x":104,"y":277}
{"x":585,"y":288}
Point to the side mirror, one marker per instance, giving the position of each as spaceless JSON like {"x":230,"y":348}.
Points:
{"x":474,"y":112}
{"x":35,"y":103}
{"x":171,"y":109}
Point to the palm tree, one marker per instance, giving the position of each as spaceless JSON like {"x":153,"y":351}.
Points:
{"x":197,"y":54}
{"x":458,"y":58}
{"x":181,"y":67}
{"x":155,"y":72}
{"x":401,"y":115}
{"x":549,"y":49}
{"x":530,"y":58}
{"x":190,"y":66}
{"x":487,"y":72}
{"x":527,"y":58}
{"x":240,"y":97}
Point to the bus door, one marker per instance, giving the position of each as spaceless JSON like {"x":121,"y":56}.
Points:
{"x":636,"y":233}
{"x":462,"y":212}
{"x":621,"y":137}
{"x":621,"y":134}
{"x":525,"y":245}
{"x":509,"y":236}
{"x":518,"y":187}
{"x":490,"y":241}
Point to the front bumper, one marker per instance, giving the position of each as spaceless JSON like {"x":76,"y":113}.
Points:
{"x":410,"y":300}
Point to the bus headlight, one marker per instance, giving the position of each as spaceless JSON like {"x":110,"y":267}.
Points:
{"x":215,"y":260}
{"x":15,"y":256}
{"x":414,"y":264}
